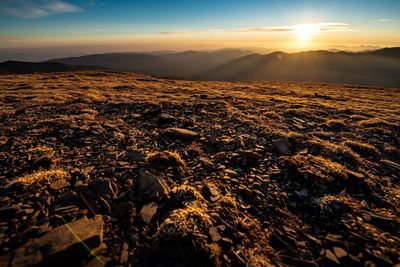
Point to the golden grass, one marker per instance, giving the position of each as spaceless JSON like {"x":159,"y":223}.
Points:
{"x":336,"y":152}
{"x":378,"y":122}
{"x":336,"y":124}
{"x":41,"y":149}
{"x":192,"y":220}
{"x":364,"y":150}
{"x":46,"y":176}
{"x":313,"y":168}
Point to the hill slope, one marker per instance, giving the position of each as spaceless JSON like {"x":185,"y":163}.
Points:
{"x":168,"y":172}
{"x":20,"y":67}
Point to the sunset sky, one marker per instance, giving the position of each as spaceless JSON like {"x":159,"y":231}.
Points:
{"x":40,"y":29}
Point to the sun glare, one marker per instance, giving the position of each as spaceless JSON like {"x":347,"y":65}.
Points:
{"x":305,"y":32}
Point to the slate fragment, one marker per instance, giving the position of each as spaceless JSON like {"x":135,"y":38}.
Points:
{"x":180,"y":133}
{"x":65,"y":245}
{"x":148,"y":211}
{"x":283,"y":146}
{"x":152,"y":186}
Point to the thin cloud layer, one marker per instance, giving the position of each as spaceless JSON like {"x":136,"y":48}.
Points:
{"x":323,"y":26}
{"x":385,"y":20}
{"x":29,"y":9}
{"x":7,"y":37}
{"x":174,"y":32}
{"x":192,"y":32}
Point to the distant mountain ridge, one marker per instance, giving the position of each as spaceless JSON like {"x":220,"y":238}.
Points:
{"x":20,"y":67}
{"x":183,"y":64}
{"x":136,"y":62}
{"x":381,"y":68}
{"x":377,"y":67}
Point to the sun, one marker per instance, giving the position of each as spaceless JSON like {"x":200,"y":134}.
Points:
{"x":305,"y":32}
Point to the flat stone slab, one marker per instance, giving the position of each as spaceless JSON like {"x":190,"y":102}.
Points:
{"x":66,"y":244}
{"x":59,"y":184}
{"x":180,"y":133}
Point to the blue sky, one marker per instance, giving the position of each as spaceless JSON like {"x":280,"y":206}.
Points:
{"x":56,"y":22}
{"x":17,"y":16}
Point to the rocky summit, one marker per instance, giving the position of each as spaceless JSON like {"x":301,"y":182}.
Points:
{"x":101,"y":168}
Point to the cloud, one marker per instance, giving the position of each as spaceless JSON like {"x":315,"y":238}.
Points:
{"x":214,"y":30}
{"x":334,"y":26}
{"x":267,"y":29}
{"x":385,"y":20}
{"x":91,"y":2}
{"x":4,"y":37}
{"x":323,"y":26}
{"x":47,"y":35}
{"x":77,"y":33}
{"x":175,"y":32}
{"x":7,"y":37}
{"x":61,"y":7}
{"x":29,"y":9}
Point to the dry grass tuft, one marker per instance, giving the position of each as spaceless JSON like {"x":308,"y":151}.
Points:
{"x":377,"y":122}
{"x":336,"y":125}
{"x":183,"y":237}
{"x":391,"y":150}
{"x":308,"y":169}
{"x":337,"y":153}
{"x":119,"y":136}
{"x":185,"y":194}
{"x":165,"y":159}
{"x":356,"y":117}
{"x":41,"y":149}
{"x":194,"y":150}
{"x":42,"y":176}
{"x":364,"y":150}
{"x":192,"y":220}
{"x":331,"y":204}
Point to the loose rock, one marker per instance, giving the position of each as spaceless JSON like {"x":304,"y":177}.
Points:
{"x":59,"y":184}
{"x":148,"y":211}
{"x":152,"y":186}
{"x":134,"y":156}
{"x":123,"y":209}
{"x":104,"y":187}
{"x":283,"y":145}
{"x":182,"y":134}
{"x":165,"y":119}
{"x":67,"y":244}
{"x":340,"y":253}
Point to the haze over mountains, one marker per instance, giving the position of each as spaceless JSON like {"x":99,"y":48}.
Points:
{"x":378,"y":67}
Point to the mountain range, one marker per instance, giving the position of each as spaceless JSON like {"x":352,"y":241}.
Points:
{"x":378,"y":67}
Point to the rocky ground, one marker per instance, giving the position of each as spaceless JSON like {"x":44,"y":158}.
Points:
{"x":120,"y":169}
